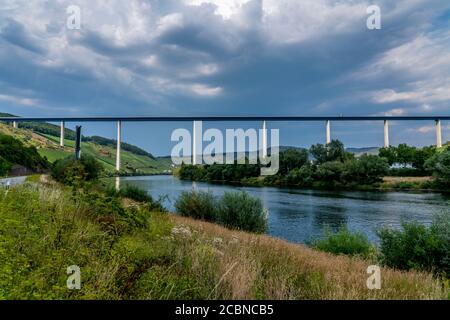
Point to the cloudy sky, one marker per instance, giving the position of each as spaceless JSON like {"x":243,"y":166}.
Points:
{"x":229,"y":57}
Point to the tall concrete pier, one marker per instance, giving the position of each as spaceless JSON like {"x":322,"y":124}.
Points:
{"x":328,"y":131}
{"x":197,"y":143}
{"x":386,"y":133}
{"x":438,"y":134}
{"x":119,"y":128}
{"x":61,"y":134}
{"x":264,"y":139}
{"x":15,"y":124}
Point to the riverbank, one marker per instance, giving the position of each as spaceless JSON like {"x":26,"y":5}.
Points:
{"x":389,"y":183}
{"x":126,"y":251}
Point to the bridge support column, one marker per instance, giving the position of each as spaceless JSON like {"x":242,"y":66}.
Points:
{"x":328,"y":131}
{"x":438,"y":134}
{"x":386,"y":134}
{"x":197,"y":143}
{"x":264,"y":139}
{"x":119,"y":127}
{"x":15,"y":124}
{"x":61,"y":134}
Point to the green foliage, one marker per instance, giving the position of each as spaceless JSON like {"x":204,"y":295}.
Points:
{"x":112,"y":143}
{"x":333,"y":151}
{"x":390,"y":154}
{"x":135,"y":193}
{"x":218,"y":172}
{"x":5,"y":166}
{"x":329,"y":172}
{"x":235,"y":210}
{"x":43,"y":231}
{"x":71,"y":171}
{"x":238,"y":210}
{"x":367,"y":169}
{"x":439,"y":164}
{"x":344,"y":242}
{"x":406,"y":155}
{"x":301,"y":176}
{"x":291,"y":159}
{"x":197,"y":204}
{"x":417,"y":246}
{"x":13,"y":151}
{"x":48,"y":128}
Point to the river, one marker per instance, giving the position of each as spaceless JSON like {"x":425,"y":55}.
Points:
{"x":298,"y":215}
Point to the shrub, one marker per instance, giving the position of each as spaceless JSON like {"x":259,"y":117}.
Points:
{"x":235,"y":210}
{"x":344,"y":242}
{"x":197,"y":204}
{"x":135,"y":193}
{"x":238,"y":210}
{"x":417,"y":246}
{"x":71,"y":171}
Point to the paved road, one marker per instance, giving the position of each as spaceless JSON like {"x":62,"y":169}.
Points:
{"x":12,"y":181}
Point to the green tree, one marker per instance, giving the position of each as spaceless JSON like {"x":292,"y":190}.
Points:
{"x":292,"y":159}
{"x":390,"y":154}
{"x":330,"y":172}
{"x":405,"y":154}
{"x":439,"y":165}
{"x":367,"y":169}
{"x":421,"y":156}
{"x":333,"y":151}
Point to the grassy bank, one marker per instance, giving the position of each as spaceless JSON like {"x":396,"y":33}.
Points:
{"x":126,"y":251}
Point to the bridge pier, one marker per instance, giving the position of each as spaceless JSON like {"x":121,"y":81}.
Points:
{"x":15,"y":124}
{"x":264,"y":139}
{"x":197,"y":143}
{"x":328,"y":131}
{"x":438,"y":134}
{"x":119,"y":127}
{"x":61,"y":134}
{"x":386,"y":134}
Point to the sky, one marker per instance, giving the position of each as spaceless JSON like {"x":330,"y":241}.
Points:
{"x":229,"y":57}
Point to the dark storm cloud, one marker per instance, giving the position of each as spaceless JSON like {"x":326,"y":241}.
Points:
{"x":171,"y":57}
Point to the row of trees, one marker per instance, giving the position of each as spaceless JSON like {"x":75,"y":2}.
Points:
{"x":321,"y":165}
{"x":408,"y":156}
{"x":331,"y":165}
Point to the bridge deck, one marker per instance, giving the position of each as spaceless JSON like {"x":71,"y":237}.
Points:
{"x":224,"y":118}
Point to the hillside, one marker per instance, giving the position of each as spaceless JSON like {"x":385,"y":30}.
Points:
{"x":43,"y":137}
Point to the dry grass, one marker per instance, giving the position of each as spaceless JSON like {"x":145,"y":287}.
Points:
{"x":406,"y":179}
{"x":257,"y":266}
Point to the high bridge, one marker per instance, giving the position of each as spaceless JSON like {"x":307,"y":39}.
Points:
{"x":264,"y":119}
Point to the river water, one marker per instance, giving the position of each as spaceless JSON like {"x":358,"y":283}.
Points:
{"x":299,"y":215}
